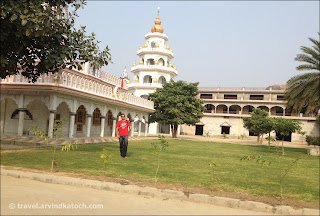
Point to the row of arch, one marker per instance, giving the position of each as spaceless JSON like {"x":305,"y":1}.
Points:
{"x":153,"y":61}
{"x":150,"y":79}
{"x":236,"y":109}
{"x":79,"y":124}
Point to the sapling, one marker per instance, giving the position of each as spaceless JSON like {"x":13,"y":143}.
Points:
{"x":105,"y":156}
{"x":158,"y":149}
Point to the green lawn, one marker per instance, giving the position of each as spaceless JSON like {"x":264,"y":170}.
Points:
{"x":186,"y":163}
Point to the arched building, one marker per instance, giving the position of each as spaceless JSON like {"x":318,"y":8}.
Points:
{"x":226,"y":108}
{"x":88,"y":101}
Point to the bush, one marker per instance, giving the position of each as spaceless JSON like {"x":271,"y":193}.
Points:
{"x":311,"y":140}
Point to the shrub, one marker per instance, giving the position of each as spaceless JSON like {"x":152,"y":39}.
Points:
{"x":311,"y":140}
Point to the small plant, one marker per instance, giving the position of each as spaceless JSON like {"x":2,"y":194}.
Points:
{"x":224,"y":135}
{"x":158,"y":149}
{"x":105,"y":156}
{"x":57,"y":134}
{"x":284,"y":174}
{"x":212,"y":172}
{"x":257,"y":159}
{"x":242,"y":136}
{"x":207,"y":134}
{"x":270,"y":139}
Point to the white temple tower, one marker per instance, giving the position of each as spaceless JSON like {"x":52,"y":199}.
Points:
{"x":154,"y":67}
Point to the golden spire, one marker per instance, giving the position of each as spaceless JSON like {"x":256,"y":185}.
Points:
{"x":157,"y":24}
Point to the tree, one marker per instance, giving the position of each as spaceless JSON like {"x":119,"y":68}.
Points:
{"x":259,"y":123}
{"x":176,"y":104}
{"x":268,"y":126}
{"x":303,"y":90}
{"x":285,"y":127}
{"x":40,"y":37}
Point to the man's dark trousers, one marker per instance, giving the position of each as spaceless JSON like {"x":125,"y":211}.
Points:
{"x":123,"y":145}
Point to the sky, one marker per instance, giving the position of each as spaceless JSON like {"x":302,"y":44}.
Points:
{"x":215,"y":43}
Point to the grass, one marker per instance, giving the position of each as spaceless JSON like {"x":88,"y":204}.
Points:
{"x":186,"y":163}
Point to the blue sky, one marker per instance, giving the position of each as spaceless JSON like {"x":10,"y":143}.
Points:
{"x":216,"y":43}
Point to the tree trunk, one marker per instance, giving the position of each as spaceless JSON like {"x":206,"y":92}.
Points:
{"x":157,"y":170}
{"x":174,"y":130}
{"x":281,"y":195}
{"x":282,"y":146}
{"x":269,"y":141}
{"x":261,"y":138}
{"x":258,"y":138}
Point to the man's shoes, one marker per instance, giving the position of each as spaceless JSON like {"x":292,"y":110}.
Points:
{"x":125,"y":157}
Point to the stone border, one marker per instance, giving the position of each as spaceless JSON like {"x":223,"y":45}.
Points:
{"x":162,"y":193}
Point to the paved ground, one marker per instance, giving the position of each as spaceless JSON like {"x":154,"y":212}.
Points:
{"x":17,"y":194}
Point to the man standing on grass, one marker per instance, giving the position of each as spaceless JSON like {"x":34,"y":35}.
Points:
{"x":123,"y":133}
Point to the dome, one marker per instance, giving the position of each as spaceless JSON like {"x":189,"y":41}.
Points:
{"x":124,"y":73}
{"x":157,"y":26}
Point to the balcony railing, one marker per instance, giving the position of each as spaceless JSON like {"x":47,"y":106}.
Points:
{"x":205,"y":97}
{"x":155,"y":67}
{"x":74,"y":80}
{"x":157,"y":85}
{"x":161,"y":50}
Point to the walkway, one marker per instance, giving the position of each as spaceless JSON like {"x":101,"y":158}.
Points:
{"x":18,"y":193}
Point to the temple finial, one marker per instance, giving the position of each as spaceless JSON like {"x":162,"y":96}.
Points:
{"x":158,"y":10}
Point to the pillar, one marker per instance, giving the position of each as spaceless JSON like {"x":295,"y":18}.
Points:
{"x":139,"y":128}
{"x":145,"y":129}
{"x":114,"y":124}
{"x":88,"y":125}
{"x":178,"y":130}
{"x":21,"y":121}
{"x":103,"y":121}
{"x":71,"y":126}
{"x":132,"y":128}
{"x":51,"y":123}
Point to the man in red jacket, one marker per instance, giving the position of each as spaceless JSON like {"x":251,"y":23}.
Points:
{"x":123,"y":133}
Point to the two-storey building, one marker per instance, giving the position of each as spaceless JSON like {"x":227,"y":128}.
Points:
{"x":226,"y":108}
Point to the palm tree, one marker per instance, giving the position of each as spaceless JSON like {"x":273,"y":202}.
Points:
{"x":303,"y":91}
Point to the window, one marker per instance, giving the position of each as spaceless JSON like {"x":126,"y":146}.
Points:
{"x":57,"y":117}
{"x":225,"y":130}
{"x":230,"y":96}
{"x":153,"y":44}
{"x":110,"y":120}
{"x":80,"y":118}
{"x":233,"y":109}
{"x":256,"y":97}
{"x":208,"y":108}
{"x":205,"y":96}
{"x":280,"y":97}
{"x":96,"y":117}
{"x":252,"y":133}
